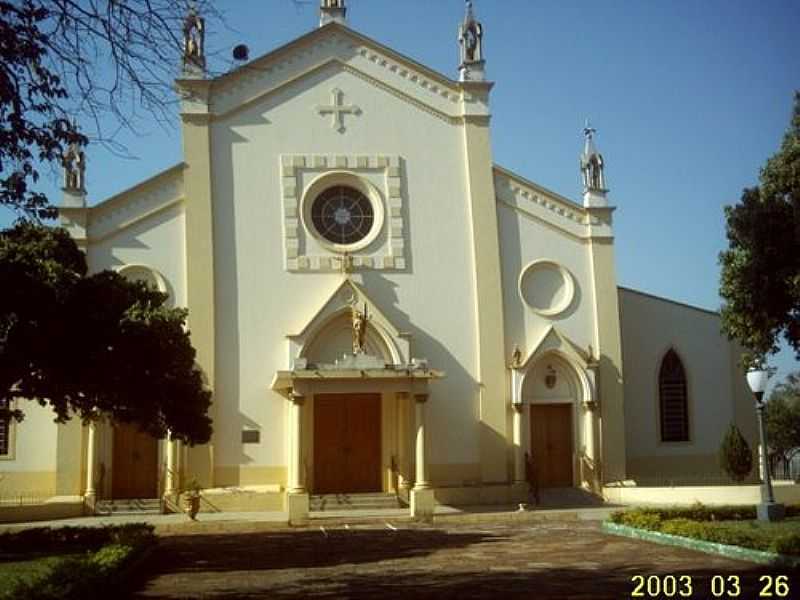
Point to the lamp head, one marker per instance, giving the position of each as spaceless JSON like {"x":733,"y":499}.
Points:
{"x":757,"y":380}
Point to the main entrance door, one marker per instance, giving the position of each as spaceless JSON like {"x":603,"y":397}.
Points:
{"x":551,"y":444}
{"x":347,"y":443}
{"x":135,"y":466}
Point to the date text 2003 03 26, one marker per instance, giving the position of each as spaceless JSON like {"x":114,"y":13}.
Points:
{"x":718,"y":586}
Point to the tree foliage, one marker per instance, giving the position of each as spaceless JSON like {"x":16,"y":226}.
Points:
{"x":782,"y":418}
{"x":98,"y":344}
{"x":101,"y":60}
{"x":760,"y":281}
{"x":735,"y":456}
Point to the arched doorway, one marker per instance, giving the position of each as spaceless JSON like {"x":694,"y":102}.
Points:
{"x":552,"y":392}
{"x":349,"y":438}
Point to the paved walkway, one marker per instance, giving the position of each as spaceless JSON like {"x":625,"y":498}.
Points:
{"x":247,"y":521}
{"x":549,"y":559}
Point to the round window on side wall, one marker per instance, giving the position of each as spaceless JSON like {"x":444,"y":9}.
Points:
{"x":147,"y":275}
{"x":342,"y":211}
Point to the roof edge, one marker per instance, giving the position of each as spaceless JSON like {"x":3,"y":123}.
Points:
{"x":669,"y":300}
{"x":120,"y":196}
{"x":571,"y":204}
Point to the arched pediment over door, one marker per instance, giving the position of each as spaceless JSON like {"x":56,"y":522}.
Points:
{"x":328,"y":334}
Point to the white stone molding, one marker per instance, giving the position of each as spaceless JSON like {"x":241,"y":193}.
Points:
{"x":538,"y":278}
{"x":352,"y":51}
{"x":337,"y":110}
{"x":146,"y":273}
{"x":132,"y":206}
{"x":337,"y":305}
{"x":360,"y":171}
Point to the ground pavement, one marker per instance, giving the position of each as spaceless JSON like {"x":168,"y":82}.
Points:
{"x":394,"y":559}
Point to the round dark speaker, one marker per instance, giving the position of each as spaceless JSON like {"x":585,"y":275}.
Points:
{"x":241,"y":52}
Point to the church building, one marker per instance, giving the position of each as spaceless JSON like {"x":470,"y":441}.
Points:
{"x":380,"y":308}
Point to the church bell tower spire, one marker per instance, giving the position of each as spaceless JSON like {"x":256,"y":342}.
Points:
{"x":593,"y":171}
{"x":332,"y":11}
{"x":470,"y":38}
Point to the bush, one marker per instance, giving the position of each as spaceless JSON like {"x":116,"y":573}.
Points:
{"x":48,"y":539}
{"x":735,"y":456}
{"x":787,"y":544}
{"x":91,"y":575}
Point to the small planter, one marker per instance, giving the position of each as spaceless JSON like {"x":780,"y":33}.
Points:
{"x":191,"y":505}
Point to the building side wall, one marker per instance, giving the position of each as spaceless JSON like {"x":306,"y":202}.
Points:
{"x":716,"y":389}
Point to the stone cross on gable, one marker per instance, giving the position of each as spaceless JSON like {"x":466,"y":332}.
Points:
{"x":338,"y":109}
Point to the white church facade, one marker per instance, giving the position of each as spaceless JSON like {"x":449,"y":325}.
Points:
{"x":378,"y":307}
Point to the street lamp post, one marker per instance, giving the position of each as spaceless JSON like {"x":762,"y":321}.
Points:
{"x":768,"y":509}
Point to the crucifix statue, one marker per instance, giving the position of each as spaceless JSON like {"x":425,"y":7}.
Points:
{"x":360,"y":320}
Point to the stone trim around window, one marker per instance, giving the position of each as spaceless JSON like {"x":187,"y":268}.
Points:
{"x":391,"y":255}
{"x":7,"y":427}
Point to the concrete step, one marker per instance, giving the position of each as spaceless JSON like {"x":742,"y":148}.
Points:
{"x":375,"y":501}
{"x":135,"y":506}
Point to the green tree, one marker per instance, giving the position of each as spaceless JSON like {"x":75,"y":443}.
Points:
{"x":101,"y":60}
{"x":782,"y":419}
{"x":87,"y":344}
{"x":735,"y":456}
{"x":760,"y":282}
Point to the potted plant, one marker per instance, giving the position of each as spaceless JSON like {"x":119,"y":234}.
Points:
{"x":191,"y":498}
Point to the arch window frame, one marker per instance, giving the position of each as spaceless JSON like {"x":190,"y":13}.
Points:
{"x":676,"y":386}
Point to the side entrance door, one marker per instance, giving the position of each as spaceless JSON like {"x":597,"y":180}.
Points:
{"x":347,"y":443}
{"x":135,"y":466}
{"x":551,"y":444}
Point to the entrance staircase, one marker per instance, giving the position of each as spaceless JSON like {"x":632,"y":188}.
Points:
{"x":137,"y":506}
{"x":336,"y":502}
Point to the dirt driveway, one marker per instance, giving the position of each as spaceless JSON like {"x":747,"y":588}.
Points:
{"x":537,"y":560}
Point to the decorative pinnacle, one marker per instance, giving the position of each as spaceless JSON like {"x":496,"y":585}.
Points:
{"x":589,"y":131}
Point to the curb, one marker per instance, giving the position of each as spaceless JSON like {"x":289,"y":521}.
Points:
{"x":734,"y":552}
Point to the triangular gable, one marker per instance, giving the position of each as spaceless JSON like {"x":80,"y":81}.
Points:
{"x":340,"y":300}
{"x":333,"y":43}
{"x":552,"y":340}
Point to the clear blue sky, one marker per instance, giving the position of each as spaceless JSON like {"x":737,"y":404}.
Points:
{"x":689,"y":99}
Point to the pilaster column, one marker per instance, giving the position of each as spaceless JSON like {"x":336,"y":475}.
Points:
{"x":421,"y":482}
{"x":519,"y":455}
{"x":296,"y":479}
{"x":403,"y":464}
{"x":170,"y":489}
{"x":589,"y":409}
{"x":91,"y":461}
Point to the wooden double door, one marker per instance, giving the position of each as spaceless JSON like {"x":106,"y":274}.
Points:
{"x":551,"y":444}
{"x":347,"y":443}
{"x":135,"y":464}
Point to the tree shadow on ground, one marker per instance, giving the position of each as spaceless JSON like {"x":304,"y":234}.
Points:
{"x":494,"y":582}
{"x":547,"y":561}
{"x":301,"y":549}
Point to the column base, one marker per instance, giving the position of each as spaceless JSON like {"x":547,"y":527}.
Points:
{"x":90,"y":502}
{"x":423,"y":504}
{"x":520,"y":492}
{"x":770,"y":511}
{"x":297,"y":505}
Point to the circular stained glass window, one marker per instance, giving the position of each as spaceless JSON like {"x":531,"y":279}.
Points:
{"x":342,"y":215}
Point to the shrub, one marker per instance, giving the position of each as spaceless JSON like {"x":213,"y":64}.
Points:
{"x":787,"y":544}
{"x":735,"y":456}
{"x":641,"y":519}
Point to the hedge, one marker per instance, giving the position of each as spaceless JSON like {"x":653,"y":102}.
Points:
{"x":95,"y":574}
{"x":719,"y":524}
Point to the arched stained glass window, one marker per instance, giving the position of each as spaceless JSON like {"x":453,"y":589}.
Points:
{"x":673,"y":399}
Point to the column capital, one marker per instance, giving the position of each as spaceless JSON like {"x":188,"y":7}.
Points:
{"x":590,"y":405}
{"x":402,"y":395}
{"x":518,"y":406}
{"x":297,"y":398}
{"x":420,"y":398}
